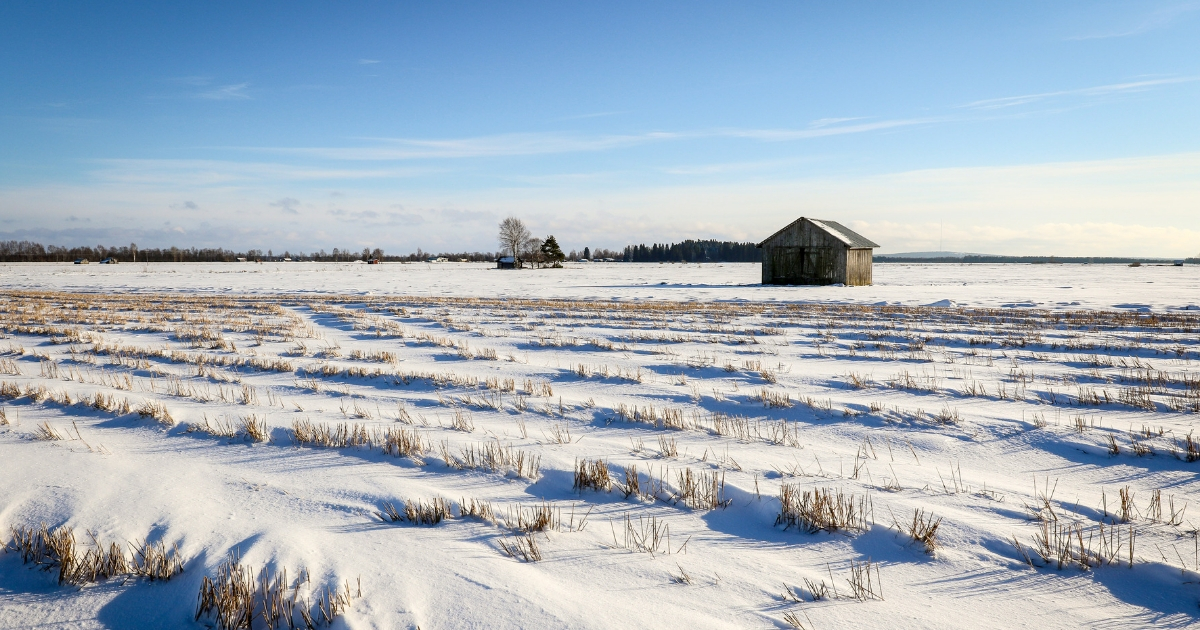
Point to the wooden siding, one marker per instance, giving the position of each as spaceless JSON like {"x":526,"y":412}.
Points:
{"x":859,"y":265}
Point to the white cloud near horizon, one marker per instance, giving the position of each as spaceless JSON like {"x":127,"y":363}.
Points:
{"x":1147,"y":206}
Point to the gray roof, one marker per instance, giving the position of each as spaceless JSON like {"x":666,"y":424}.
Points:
{"x":852,"y":239}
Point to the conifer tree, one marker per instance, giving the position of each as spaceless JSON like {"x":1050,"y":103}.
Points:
{"x":551,"y":252}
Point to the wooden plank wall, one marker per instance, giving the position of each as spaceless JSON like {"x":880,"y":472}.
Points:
{"x":859,"y":267}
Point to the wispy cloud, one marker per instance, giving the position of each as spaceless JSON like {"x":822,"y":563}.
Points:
{"x":482,"y":146}
{"x":780,"y":135}
{"x":1099,"y":90}
{"x":447,"y":216}
{"x":367,"y":62}
{"x":591,"y":115}
{"x":826,"y":122}
{"x":733,"y":167}
{"x":513,"y":144}
{"x":207,"y":173}
{"x":233,"y":92}
{"x":1157,"y":19}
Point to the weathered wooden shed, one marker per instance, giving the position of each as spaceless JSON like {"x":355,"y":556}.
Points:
{"x":814,"y":251}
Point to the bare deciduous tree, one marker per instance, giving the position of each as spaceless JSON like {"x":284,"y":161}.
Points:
{"x":513,"y":236}
{"x":531,"y":250}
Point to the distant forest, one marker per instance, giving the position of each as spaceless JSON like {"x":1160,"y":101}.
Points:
{"x":694,"y":251}
{"x":687,"y":251}
{"x":26,"y":251}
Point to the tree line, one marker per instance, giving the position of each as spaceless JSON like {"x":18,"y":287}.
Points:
{"x":28,"y":251}
{"x":532,"y":250}
{"x":694,"y":251}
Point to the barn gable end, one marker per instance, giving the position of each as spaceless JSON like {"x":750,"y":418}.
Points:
{"x":815,"y":251}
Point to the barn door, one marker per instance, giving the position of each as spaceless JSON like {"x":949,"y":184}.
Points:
{"x":819,"y":265}
{"x":787,"y":265}
{"x":802,"y":265}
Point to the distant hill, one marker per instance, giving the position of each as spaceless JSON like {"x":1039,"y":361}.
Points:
{"x":931,"y":255}
{"x":963,"y":257}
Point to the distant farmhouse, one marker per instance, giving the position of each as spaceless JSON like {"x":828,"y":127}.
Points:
{"x":812,"y":251}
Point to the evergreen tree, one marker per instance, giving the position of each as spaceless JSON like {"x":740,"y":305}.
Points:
{"x":551,"y":252}
{"x":587,"y":253}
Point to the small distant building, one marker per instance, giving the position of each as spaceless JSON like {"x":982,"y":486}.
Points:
{"x":506,"y":262}
{"x":814,"y":251}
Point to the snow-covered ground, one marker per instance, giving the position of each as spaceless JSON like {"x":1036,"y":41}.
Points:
{"x":1004,"y":421}
{"x":1155,"y":287}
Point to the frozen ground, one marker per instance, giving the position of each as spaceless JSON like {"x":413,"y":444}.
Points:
{"x":189,"y":419}
{"x":1042,"y":286}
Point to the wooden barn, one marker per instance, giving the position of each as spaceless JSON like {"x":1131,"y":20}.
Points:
{"x":813,"y":251}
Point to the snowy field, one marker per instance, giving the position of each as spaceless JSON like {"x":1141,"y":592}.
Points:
{"x":607,"y":446}
{"x":1159,"y":287}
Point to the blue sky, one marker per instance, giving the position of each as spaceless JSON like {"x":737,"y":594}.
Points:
{"x":1065,"y":128}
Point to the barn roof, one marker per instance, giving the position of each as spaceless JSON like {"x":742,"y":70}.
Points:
{"x":844,"y":234}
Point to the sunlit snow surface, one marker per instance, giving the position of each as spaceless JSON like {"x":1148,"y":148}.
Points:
{"x":970,"y":415}
{"x":1155,"y":287}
